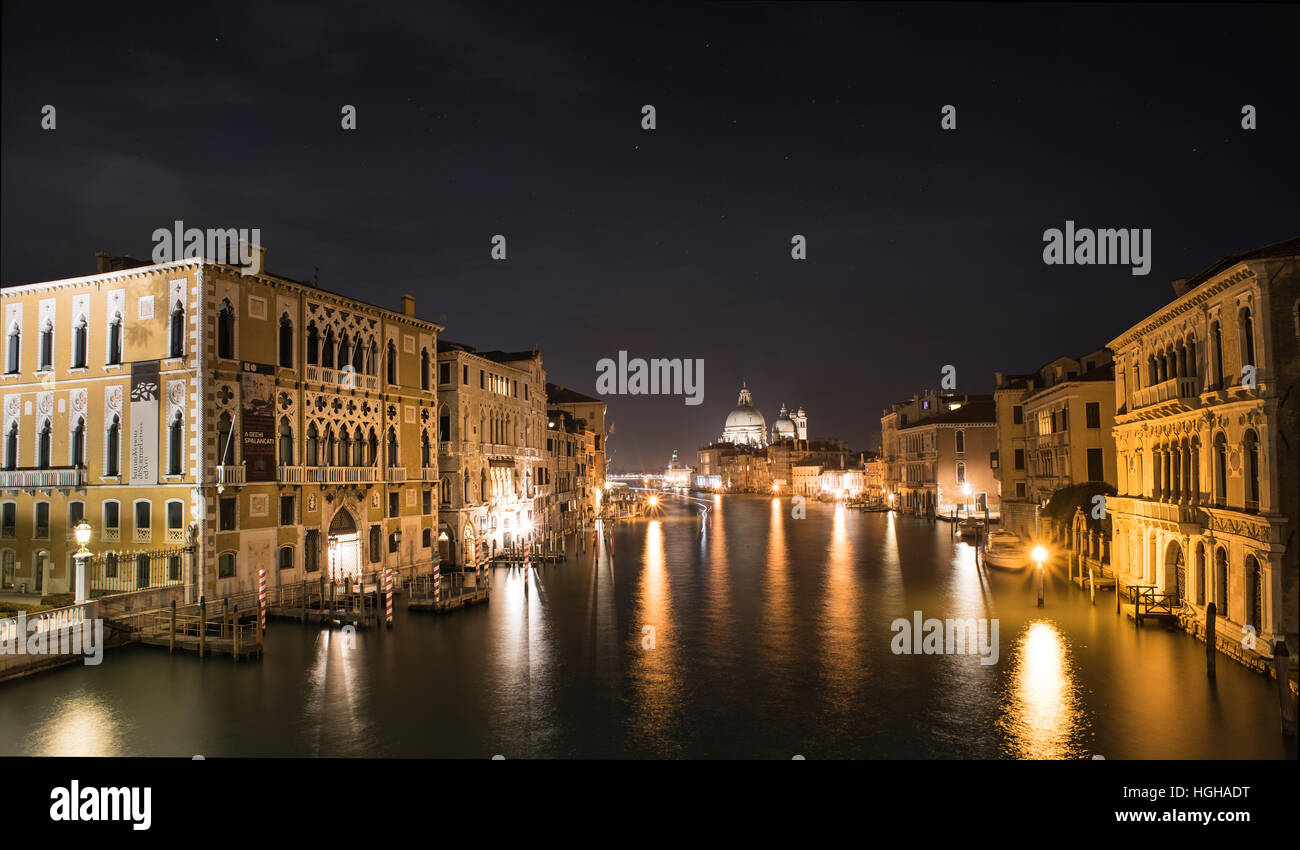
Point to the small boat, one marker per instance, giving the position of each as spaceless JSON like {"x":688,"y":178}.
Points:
{"x":970,"y":527}
{"x":1006,"y":550}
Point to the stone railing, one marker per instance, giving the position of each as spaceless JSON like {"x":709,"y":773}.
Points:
{"x":341,"y":474}
{"x":42,"y":479}
{"x":230,"y":476}
{"x":1170,"y":390}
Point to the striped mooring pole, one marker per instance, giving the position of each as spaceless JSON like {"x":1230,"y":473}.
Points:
{"x":437,"y":581}
{"x":388,"y":595}
{"x":261,"y":598}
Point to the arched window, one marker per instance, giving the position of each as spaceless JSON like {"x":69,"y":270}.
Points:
{"x":226,"y":565}
{"x":286,"y":342}
{"x":11,"y":447}
{"x":226,"y":330}
{"x":1200,"y":574}
{"x":114,"y":355}
{"x":961,"y":472}
{"x":286,"y":442}
{"x":225,"y":441}
{"x":465,"y":489}
{"x":112,"y":443}
{"x":424,"y":369}
{"x":392,"y":447}
{"x":1221,"y":581}
{"x":77,"y":451}
{"x":43,"y":447}
{"x":47,"y":346}
{"x":1247,"y":337}
{"x":1216,"y":346}
{"x":1191,"y":357}
{"x":286,"y":558}
{"x":372,"y":359}
{"x":1220,"y":469}
{"x":177,"y":346}
{"x":392,"y":362}
{"x":425,"y":454}
{"x":313,"y":344}
{"x":372,"y":449}
{"x":327,"y":349}
{"x":313,"y":445}
{"x":359,"y":358}
{"x":1251,"y":447}
{"x":345,"y":446}
{"x":1255,"y":587}
{"x":331,"y":447}
{"x":79,"y":343}
{"x":961,"y":441}
{"x":358,"y":448}
{"x":13,"y":350}
{"x":345,"y":351}
{"x":175,"y":433}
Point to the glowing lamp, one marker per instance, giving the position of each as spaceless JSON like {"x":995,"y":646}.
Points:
{"x":81,"y":531}
{"x":1039,"y":555}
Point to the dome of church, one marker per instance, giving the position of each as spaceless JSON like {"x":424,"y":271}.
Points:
{"x":783,"y":429}
{"x":746,"y":417}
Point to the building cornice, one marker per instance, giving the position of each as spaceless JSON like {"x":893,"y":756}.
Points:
{"x":1184,"y":304}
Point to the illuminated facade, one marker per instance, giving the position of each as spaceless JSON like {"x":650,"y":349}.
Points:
{"x":277,"y":425}
{"x":1206,"y":451}
{"x":936,"y":447}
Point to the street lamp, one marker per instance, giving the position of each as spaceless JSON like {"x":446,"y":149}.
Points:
{"x":1039,"y":555}
{"x":81,"y":533}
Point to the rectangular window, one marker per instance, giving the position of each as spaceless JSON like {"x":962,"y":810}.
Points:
{"x":464,"y":375}
{"x":287,"y":516}
{"x":394,"y":504}
{"x":1020,"y":458}
{"x":1020,"y":489}
{"x":427,"y":506}
{"x":42,"y":519}
{"x":1096,"y":469}
{"x":227,"y":514}
{"x":482,"y":379}
{"x":1093,"y":411}
{"x":226,"y":566}
{"x":9,"y":519}
{"x":175,"y":514}
{"x":374,"y":544}
{"x":426,"y":538}
{"x":76,"y":511}
{"x":444,"y":373}
{"x":392,"y":543}
{"x":311,"y":551}
{"x":1017,"y":414}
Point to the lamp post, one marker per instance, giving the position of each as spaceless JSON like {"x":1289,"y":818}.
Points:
{"x":1039,"y":555}
{"x":81,"y":532}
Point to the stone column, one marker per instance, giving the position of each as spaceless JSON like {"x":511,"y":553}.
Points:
{"x":1196,"y":453}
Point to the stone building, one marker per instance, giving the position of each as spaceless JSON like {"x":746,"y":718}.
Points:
{"x":492,"y":422}
{"x":934,"y":448}
{"x":285,"y":427}
{"x":1054,"y":430}
{"x":1206,"y":442}
{"x":585,"y":416}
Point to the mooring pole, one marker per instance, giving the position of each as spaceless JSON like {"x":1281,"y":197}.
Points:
{"x":203,"y":625}
{"x":1282,"y":673}
{"x":171,"y":644}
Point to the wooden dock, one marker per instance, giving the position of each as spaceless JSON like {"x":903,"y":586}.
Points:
{"x":447,"y":601}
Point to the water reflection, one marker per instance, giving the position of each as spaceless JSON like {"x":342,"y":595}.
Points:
{"x":656,"y":696}
{"x":1041,"y":716}
{"x":81,"y":725}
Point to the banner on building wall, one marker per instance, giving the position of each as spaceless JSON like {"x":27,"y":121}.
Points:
{"x":257,"y":388}
{"x":144,"y":422}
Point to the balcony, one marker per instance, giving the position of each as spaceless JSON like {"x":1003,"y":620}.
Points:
{"x":142,"y":535}
{"x":230,"y":476}
{"x":396,"y":474}
{"x":110,"y":535}
{"x":444,"y":449}
{"x":429,"y":474}
{"x":176,"y":536}
{"x":291,"y":475}
{"x":1171,"y":396}
{"x":43,"y":479}
{"x":341,"y":474}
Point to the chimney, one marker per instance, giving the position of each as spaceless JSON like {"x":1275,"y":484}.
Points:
{"x":408,"y":305}
{"x":1180,"y":286}
{"x":998,"y":375}
{"x":101,"y":263}
{"x":258,"y":253}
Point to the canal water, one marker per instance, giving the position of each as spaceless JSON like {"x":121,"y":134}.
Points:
{"x":755,"y":636}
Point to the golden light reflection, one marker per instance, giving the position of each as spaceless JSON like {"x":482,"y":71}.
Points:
{"x":656,"y":698}
{"x":778,"y":625}
{"x":1042,"y":714}
{"x":843,"y":641}
{"x":81,"y":726}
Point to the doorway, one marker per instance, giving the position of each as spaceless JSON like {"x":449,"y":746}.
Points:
{"x":344,"y":549}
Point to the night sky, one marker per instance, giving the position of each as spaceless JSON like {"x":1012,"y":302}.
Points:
{"x":924,"y":246}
